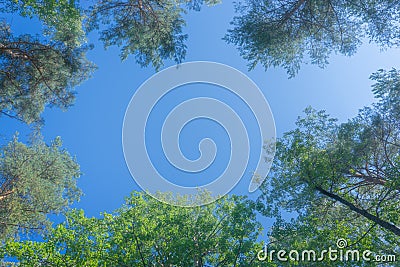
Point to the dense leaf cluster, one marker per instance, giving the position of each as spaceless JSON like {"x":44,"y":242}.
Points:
{"x":146,"y":232}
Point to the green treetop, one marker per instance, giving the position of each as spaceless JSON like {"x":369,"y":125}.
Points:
{"x":286,"y":33}
{"x":34,"y":182}
{"x":146,"y":232}
{"x":39,"y":71}
{"x":340,"y":180}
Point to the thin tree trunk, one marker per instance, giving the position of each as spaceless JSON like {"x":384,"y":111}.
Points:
{"x":387,"y":225}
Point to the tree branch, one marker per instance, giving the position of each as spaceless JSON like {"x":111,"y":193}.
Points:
{"x":387,"y":225}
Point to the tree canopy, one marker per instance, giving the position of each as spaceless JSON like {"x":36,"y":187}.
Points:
{"x":287,"y":33}
{"x":151,"y":30}
{"x":37,"y":71}
{"x":34,"y":181}
{"x":340,"y":179}
{"x":42,"y":69}
{"x":147,"y":232}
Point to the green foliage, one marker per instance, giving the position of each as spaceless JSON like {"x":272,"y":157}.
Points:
{"x":387,"y":90}
{"x":39,"y":71}
{"x":151,"y":30}
{"x":340,"y":180}
{"x":285,"y":33}
{"x":43,"y":70}
{"x":34,"y":181}
{"x":62,"y":18}
{"x":34,"y":74}
{"x":320,"y":231}
{"x":146,"y":232}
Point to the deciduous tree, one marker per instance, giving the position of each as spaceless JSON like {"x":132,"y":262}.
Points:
{"x":341,"y":180}
{"x":146,"y":232}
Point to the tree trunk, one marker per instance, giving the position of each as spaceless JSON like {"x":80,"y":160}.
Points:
{"x":387,"y":225}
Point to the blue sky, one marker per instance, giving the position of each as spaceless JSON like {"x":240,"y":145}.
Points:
{"x":91,"y":129}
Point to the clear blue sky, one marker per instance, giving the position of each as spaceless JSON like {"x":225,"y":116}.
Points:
{"x":91,"y":129}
